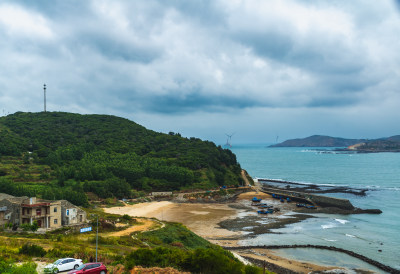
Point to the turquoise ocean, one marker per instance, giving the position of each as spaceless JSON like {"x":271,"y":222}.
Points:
{"x":374,"y":236}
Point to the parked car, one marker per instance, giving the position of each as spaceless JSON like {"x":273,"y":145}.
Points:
{"x":92,"y":268}
{"x":63,"y":265}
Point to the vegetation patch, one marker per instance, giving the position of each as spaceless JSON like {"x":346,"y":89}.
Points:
{"x":173,"y":233}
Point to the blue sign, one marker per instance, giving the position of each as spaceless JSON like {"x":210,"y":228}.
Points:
{"x":86,"y":229}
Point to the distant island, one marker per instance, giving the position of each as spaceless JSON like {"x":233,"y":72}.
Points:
{"x":319,"y":141}
{"x":387,"y":144}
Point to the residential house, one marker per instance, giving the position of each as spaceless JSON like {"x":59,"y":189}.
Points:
{"x":10,"y":209}
{"x":71,"y":214}
{"x":48,"y":214}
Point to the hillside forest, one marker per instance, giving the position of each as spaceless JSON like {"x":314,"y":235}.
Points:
{"x":57,"y":155}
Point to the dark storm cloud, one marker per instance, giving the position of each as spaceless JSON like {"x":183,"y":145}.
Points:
{"x":152,"y":58}
{"x":118,"y":49}
{"x":195,"y":101}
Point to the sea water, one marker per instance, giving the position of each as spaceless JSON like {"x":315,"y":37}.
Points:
{"x":374,"y":236}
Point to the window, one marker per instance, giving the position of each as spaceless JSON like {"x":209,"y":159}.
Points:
{"x":55,"y":221}
{"x":38,"y":211}
{"x":55,"y":209}
{"x":67,"y":212}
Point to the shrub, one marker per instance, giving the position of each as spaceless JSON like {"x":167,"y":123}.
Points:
{"x":201,"y":260}
{"x":30,"y":227}
{"x":251,"y":269}
{"x":9,"y":267}
{"x":58,"y":253}
{"x":25,"y":227}
{"x":32,"y":250}
{"x":126,"y":217}
{"x":212,"y":261}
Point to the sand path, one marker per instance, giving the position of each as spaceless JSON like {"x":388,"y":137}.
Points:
{"x":145,"y":226}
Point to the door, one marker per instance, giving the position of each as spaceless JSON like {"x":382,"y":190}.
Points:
{"x":95,"y":268}
{"x":63,"y":266}
{"x":39,"y":222}
{"x":89,"y":269}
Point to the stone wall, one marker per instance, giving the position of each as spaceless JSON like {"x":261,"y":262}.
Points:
{"x":318,"y":200}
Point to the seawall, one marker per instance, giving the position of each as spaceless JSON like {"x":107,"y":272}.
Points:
{"x":317,"y":200}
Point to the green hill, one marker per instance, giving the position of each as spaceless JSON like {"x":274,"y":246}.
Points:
{"x":319,"y":141}
{"x":110,"y":156}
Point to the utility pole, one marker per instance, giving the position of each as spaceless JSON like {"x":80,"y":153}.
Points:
{"x":97,"y":235}
{"x":44,"y":89}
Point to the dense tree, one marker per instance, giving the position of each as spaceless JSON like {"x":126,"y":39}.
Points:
{"x":111,"y":155}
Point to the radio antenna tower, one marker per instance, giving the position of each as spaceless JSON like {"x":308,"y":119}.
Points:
{"x":44,"y":90}
{"x":228,"y":140}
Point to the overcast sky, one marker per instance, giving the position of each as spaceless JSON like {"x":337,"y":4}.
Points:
{"x":258,"y":68}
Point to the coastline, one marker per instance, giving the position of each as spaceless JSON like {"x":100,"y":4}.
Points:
{"x":226,"y":224}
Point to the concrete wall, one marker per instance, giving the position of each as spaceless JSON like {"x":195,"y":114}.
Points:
{"x":71,"y":214}
{"x":55,"y":214}
{"x":319,"y":200}
{"x":11,"y":212}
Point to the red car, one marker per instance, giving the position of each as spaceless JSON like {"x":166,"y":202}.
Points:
{"x":92,"y":268}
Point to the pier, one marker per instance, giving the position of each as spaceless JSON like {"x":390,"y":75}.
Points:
{"x":316,"y":200}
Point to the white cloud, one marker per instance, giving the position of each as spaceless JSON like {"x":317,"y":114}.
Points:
{"x":17,"y":21}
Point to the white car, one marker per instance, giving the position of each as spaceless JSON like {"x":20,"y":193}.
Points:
{"x":63,"y":265}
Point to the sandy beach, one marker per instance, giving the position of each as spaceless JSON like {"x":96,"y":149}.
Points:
{"x":204,"y":220}
{"x":227,"y":223}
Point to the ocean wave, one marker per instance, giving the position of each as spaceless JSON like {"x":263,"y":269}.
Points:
{"x":356,"y":186}
{"x":328,"y":240}
{"x":308,"y":150}
{"x":321,"y":151}
{"x":341,"y":221}
{"x":298,"y":182}
{"x":328,"y":226}
{"x":390,"y":188}
{"x":351,"y":236}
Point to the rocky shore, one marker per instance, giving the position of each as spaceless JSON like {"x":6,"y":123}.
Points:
{"x":325,"y":204}
{"x":313,"y":188}
{"x":226,"y":221}
{"x":253,"y":225}
{"x":332,"y":248}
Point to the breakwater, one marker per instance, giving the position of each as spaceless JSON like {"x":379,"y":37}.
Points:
{"x":317,"y":200}
{"x":332,"y":248}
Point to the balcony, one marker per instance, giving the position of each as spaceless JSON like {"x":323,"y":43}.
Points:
{"x":38,"y":213}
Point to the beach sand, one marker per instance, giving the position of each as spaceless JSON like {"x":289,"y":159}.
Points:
{"x":204,"y":218}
